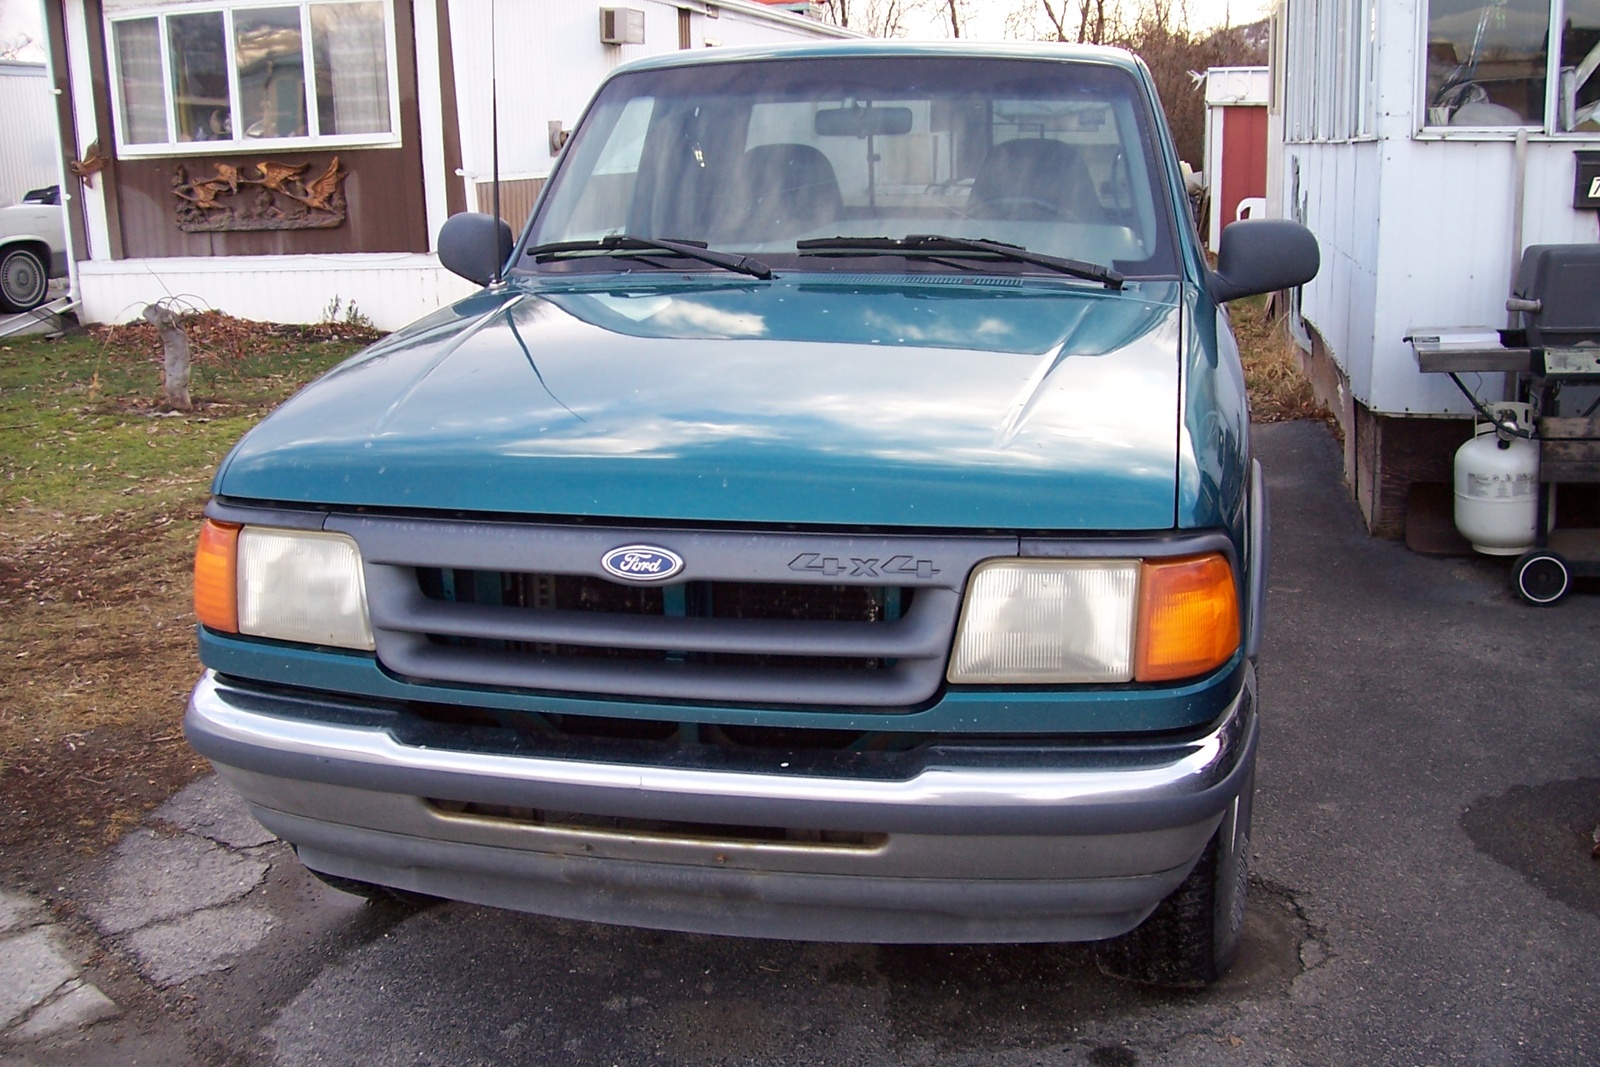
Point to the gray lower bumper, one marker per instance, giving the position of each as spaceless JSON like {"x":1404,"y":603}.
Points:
{"x":1079,"y":845}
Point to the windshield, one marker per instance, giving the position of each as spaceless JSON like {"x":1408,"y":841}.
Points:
{"x":756,"y":157}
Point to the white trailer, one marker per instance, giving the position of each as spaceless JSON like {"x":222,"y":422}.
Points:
{"x":1426,"y":143}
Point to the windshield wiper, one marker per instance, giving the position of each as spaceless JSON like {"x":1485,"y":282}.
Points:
{"x":935,"y":244}
{"x":626,"y":244}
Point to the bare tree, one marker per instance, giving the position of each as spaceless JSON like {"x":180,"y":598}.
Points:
{"x":953,"y":8}
{"x":14,"y":47}
{"x":1174,"y":54}
{"x":875,"y":18}
{"x":1158,"y":31}
{"x":1083,"y":21}
{"x":952,"y":13}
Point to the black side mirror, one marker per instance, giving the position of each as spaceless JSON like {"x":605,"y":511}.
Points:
{"x":1263,"y":256}
{"x":474,"y":246}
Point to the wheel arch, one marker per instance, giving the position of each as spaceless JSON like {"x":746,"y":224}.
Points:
{"x":37,"y":245}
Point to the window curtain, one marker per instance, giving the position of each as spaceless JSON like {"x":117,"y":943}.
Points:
{"x":352,"y":68}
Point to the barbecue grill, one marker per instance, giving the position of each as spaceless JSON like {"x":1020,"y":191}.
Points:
{"x":1554,"y":346}
{"x":1558,"y":299}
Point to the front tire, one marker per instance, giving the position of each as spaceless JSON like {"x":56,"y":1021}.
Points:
{"x":24,"y":281}
{"x":1194,"y":934}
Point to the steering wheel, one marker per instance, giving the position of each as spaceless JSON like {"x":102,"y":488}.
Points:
{"x":1026,"y":207}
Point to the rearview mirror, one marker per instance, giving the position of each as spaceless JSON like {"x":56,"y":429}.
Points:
{"x":475,"y":246}
{"x":1263,"y":256}
{"x":863,"y":122}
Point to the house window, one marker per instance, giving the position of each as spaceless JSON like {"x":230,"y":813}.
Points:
{"x":250,"y":76}
{"x":1514,"y":63}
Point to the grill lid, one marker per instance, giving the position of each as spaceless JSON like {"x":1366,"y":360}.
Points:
{"x":1564,"y":281}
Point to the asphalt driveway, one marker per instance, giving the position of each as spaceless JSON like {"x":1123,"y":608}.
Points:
{"x":1423,"y":893}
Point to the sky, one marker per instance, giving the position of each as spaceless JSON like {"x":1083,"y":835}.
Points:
{"x":988,"y":19}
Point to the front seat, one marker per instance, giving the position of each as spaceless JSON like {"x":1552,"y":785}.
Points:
{"x":783,"y":190}
{"x":1035,"y":179}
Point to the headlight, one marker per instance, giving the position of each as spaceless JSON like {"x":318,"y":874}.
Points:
{"x":1047,"y":620}
{"x":1053,"y":621}
{"x":291,"y":585}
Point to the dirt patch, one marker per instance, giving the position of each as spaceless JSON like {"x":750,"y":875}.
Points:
{"x":66,"y":798}
{"x":91,"y":559}
{"x":98,"y":640}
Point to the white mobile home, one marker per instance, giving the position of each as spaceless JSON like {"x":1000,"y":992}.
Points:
{"x":27,"y":130}
{"x":264,"y":159}
{"x":1425,"y":142}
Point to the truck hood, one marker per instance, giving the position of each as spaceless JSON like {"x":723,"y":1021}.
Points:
{"x":943,"y":401}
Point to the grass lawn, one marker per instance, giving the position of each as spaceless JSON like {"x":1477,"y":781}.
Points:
{"x":100,"y":498}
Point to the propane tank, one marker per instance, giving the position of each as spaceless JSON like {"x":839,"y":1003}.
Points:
{"x":1497,"y":483}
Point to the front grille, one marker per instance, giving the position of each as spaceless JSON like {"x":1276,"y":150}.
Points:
{"x":759,"y":618}
{"x":701,"y":600}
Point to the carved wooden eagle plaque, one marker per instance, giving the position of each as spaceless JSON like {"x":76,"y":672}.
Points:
{"x":276,"y":196}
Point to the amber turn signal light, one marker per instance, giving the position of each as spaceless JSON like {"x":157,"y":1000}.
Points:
{"x":216,"y":582}
{"x":1188,"y":618}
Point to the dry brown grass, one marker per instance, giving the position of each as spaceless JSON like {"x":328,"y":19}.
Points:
{"x":98,"y":623}
{"x":1278,"y":390}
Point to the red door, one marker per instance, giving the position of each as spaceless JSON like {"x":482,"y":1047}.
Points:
{"x":1244,"y":158}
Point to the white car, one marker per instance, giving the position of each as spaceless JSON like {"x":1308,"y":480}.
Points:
{"x":33,"y":249}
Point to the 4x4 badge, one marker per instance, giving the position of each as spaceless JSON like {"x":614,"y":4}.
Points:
{"x":855,"y":567}
{"x":642,"y":563}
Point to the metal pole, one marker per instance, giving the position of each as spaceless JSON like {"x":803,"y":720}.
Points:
{"x":494,"y":127}
{"x":1519,"y":189}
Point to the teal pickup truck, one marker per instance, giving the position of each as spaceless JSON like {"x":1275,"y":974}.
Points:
{"x":834,"y":518}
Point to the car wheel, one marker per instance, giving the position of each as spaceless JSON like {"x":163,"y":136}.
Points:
{"x":381,"y":894}
{"x":23,"y":280}
{"x":1193,"y":935}
{"x":1541,"y":577}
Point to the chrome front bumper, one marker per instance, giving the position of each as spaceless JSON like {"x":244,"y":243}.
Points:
{"x":1080,"y":843}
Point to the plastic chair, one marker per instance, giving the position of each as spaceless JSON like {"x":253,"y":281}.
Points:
{"x":1251,"y":207}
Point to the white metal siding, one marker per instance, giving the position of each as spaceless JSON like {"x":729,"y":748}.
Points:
{"x":551,"y":61}
{"x":1337,"y":196}
{"x":390,"y":289}
{"x":27,"y":130}
{"x":1236,"y":85}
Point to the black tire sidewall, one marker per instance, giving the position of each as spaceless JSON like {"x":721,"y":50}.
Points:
{"x":1195,"y":933}
{"x":1231,"y":884}
{"x":1536,"y":559}
{"x":7,"y":299}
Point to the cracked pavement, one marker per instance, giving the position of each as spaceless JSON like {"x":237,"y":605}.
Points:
{"x":1423,"y":891}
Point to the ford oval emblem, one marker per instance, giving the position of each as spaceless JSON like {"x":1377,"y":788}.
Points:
{"x":642,"y":563}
